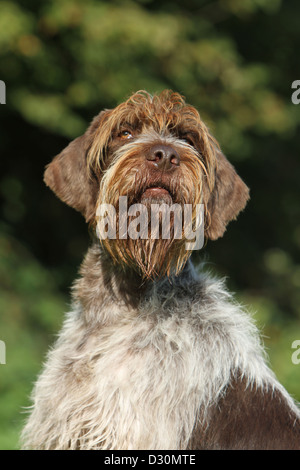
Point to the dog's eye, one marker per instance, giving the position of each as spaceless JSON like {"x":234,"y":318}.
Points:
{"x":125,"y":135}
{"x":188,"y":140}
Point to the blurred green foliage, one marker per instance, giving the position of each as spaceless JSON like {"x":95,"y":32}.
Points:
{"x":65,"y":60}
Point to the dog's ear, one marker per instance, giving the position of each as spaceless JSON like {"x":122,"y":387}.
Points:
{"x":68,"y":177}
{"x":68,"y":174}
{"x":227,"y":199}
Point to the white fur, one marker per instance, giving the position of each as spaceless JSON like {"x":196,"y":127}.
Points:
{"x":141,"y":381}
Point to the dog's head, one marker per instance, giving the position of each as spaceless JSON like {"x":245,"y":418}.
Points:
{"x":153,"y":150}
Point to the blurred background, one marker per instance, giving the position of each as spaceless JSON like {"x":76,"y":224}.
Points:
{"x":65,"y":60}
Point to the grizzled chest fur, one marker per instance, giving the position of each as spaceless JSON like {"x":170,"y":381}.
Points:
{"x":144,"y":377}
{"x":134,"y":371}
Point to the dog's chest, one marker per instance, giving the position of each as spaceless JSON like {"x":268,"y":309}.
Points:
{"x":143,"y":381}
{"x":140,"y":381}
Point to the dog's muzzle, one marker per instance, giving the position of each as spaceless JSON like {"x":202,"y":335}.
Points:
{"x":163,"y":157}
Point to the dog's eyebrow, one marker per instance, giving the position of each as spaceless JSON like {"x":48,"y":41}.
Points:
{"x":127,"y":124}
{"x":184,"y":133}
{"x":184,"y":129}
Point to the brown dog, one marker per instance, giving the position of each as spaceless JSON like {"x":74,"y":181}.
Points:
{"x":154,"y":355}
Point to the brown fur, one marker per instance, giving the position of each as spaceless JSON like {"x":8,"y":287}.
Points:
{"x":154,"y":355}
{"x":248,"y":417}
{"x":205,"y":176}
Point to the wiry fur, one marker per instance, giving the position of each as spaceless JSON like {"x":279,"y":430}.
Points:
{"x":151,"y":357}
{"x":153,"y":257}
{"x":140,"y":378}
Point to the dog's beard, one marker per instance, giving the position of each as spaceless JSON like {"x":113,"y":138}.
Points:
{"x":150,"y":254}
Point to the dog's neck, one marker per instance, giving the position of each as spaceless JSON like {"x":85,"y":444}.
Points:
{"x":103,"y":283}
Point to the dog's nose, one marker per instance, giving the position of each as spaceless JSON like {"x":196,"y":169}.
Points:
{"x":163,"y":157}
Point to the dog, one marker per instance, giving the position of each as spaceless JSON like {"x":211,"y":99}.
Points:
{"x":155,"y":353}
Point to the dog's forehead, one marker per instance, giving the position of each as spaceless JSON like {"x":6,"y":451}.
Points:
{"x":160,"y":113}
